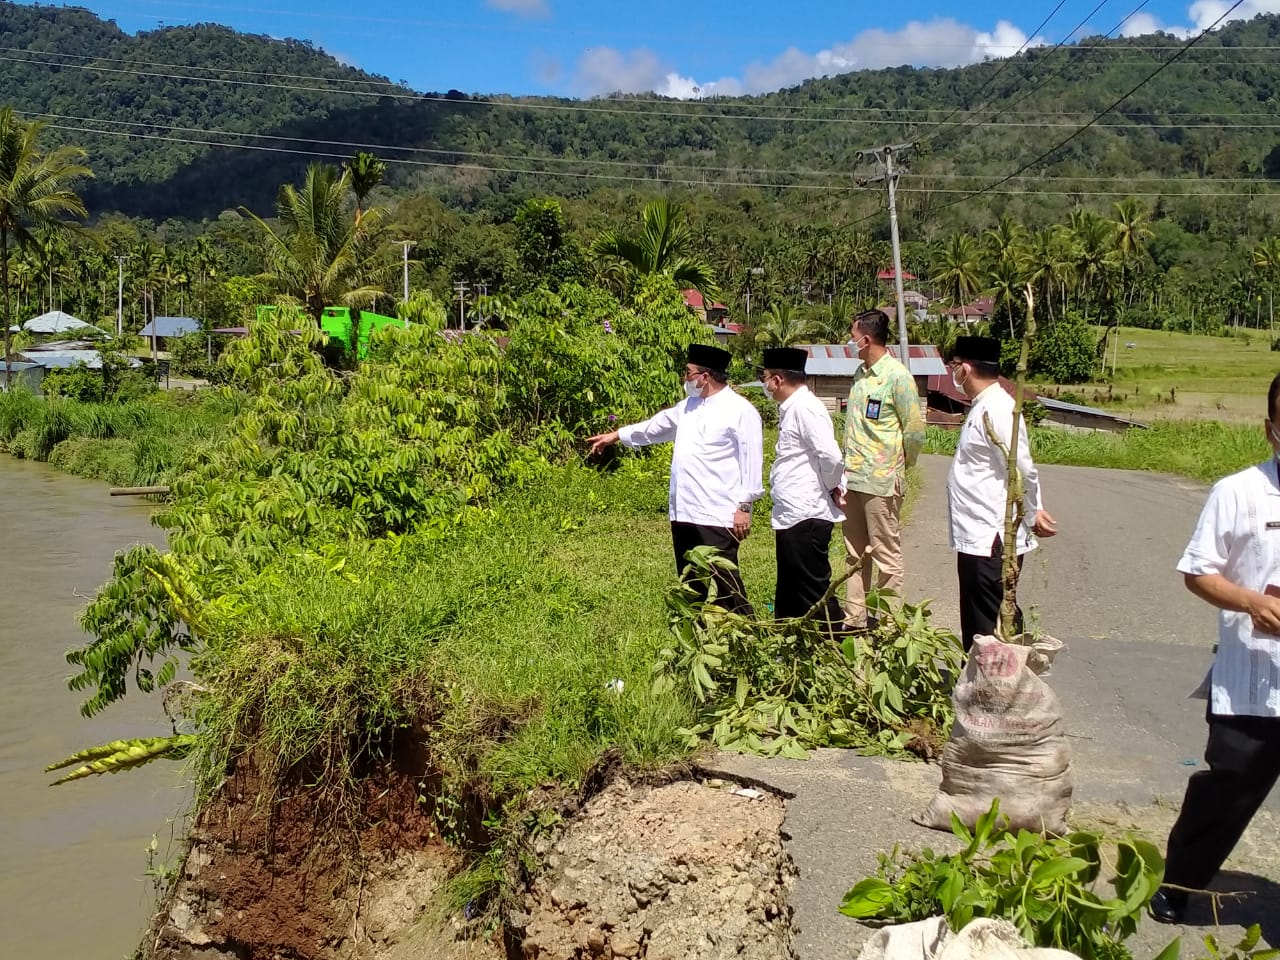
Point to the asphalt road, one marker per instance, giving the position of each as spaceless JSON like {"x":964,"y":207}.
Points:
{"x":1137,"y":643}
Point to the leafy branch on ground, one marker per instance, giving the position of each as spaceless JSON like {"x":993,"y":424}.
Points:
{"x":1049,"y":888}
{"x":785,"y":687}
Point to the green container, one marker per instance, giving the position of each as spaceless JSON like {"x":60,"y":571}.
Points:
{"x":337,"y":323}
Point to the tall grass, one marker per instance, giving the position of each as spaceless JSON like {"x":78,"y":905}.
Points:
{"x":1202,"y":450}
{"x":519,"y":645}
{"x":122,"y":443}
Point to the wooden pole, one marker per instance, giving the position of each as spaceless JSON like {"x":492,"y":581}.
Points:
{"x":159,"y":491}
{"x":1013,"y":508}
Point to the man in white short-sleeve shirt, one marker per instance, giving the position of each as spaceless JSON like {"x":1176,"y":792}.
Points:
{"x":807,"y":484}
{"x":1233,"y":563}
{"x":716,"y":465}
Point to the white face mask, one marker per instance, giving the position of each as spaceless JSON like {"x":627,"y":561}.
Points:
{"x":691,"y":389}
{"x":768,"y":392}
{"x":956,"y":379}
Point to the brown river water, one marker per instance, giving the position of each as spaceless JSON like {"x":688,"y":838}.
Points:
{"x":72,"y":858}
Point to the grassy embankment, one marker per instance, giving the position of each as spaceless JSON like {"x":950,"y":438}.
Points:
{"x":124,"y":444}
{"x":1181,"y":376}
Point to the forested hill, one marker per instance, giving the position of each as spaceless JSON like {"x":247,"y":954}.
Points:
{"x":1207,"y":125}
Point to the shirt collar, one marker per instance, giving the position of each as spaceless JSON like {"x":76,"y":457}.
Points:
{"x":985,"y":392}
{"x":789,"y":402}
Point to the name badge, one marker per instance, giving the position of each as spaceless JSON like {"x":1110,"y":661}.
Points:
{"x":1273,"y":524}
{"x":873,"y":409}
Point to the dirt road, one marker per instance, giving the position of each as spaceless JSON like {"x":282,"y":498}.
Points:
{"x":1138,"y":642}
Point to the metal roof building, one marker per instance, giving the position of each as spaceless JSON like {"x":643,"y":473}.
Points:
{"x":65,"y":359}
{"x":841,"y":360}
{"x":55,"y":321}
{"x":170,"y":327}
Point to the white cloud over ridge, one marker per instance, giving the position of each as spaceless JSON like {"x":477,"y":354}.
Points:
{"x":941,"y":42}
{"x":524,"y":8}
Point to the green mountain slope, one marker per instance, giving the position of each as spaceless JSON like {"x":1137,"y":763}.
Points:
{"x":1206,"y":125}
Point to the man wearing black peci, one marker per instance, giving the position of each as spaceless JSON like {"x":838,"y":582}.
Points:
{"x":716,"y":464}
{"x":807,"y":484}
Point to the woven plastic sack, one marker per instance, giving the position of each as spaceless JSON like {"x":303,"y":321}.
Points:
{"x":1007,"y":741}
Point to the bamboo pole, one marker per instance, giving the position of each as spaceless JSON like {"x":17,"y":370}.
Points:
{"x":1013,"y":507}
{"x":139,"y":491}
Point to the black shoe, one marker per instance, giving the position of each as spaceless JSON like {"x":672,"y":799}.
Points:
{"x":1168,"y":906}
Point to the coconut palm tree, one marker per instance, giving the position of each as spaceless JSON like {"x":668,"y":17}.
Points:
{"x":958,"y":273}
{"x":364,"y":172}
{"x":1131,"y":230}
{"x":1266,"y":260}
{"x":783,"y":326}
{"x":36,"y":192}
{"x":1095,"y":254}
{"x":664,"y":246}
{"x":318,"y":255}
{"x":1007,"y":277}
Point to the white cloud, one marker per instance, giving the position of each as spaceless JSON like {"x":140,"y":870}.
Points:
{"x":941,"y":42}
{"x":523,"y":8}
{"x":1205,"y":12}
{"x":1139,"y":25}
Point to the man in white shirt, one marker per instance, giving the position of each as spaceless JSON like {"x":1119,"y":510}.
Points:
{"x":978,"y":487}
{"x":1233,"y":563}
{"x":806,"y":482}
{"x":716,"y":464}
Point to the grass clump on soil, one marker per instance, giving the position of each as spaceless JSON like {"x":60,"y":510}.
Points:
{"x":137,"y":442}
{"x":518,"y":645}
{"x":1202,"y":450}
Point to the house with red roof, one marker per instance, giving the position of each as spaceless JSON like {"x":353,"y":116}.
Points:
{"x":707,"y":312}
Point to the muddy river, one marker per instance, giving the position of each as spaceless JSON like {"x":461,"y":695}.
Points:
{"x":72,"y":858}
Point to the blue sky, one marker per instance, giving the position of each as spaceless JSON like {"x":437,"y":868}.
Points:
{"x":579,"y":48}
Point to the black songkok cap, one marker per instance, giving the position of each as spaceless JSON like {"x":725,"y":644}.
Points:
{"x":977,"y":349}
{"x":713,"y":358}
{"x":785,"y":358}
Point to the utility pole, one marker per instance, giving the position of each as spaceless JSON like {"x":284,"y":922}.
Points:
{"x":753,"y":272}
{"x":120,"y":299}
{"x":461,"y":287}
{"x":407,"y":244}
{"x":884,"y":157}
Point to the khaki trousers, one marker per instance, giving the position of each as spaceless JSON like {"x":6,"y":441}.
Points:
{"x":871,"y":521}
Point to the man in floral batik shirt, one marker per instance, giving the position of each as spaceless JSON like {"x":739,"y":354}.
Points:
{"x":883,"y":434}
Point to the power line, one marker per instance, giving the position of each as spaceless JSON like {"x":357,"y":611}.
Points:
{"x":1062,"y":143}
{"x":530,"y":105}
{"x":584,"y":161}
{"x":1065,"y":62}
{"x":677,"y":181}
{"x":941,"y":125}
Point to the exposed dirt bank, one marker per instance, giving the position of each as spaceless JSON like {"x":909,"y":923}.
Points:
{"x":686,"y":870}
{"x":297,"y":880}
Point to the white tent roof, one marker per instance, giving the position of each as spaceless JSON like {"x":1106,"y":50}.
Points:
{"x":55,"y":321}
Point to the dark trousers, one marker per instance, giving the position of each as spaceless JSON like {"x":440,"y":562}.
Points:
{"x":804,"y":571}
{"x":1243,"y":755}
{"x":981,"y":593}
{"x":731,"y":593}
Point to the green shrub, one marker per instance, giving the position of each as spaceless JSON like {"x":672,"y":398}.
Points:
{"x":1064,"y":352}
{"x":1045,"y":887}
{"x":77,"y":383}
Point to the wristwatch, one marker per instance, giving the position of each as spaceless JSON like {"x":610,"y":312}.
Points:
{"x":745,"y":507}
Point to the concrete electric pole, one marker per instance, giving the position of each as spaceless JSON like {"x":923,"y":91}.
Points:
{"x":883,"y":158}
{"x":461,"y":287}
{"x":407,"y":244}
